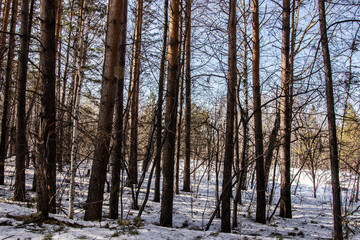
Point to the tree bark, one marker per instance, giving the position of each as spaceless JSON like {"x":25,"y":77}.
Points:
{"x":170,"y":117}
{"x":47,"y":158}
{"x":230,"y":111}
{"x":334,"y":158}
{"x":134,"y":108}
{"x":7,"y":91}
{"x":160,"y":103}
{"x":181,"y":103}
{"x":285,"y":115}
{"x":58,"y":42}
{"x":21,"y":143}
{"x":270,"y":148}
{"x":186,"y":187}
{"x":259,"y":148}
{"x":4,"y":26}
{"x":80,"y":61}
{"x":245,"y":113}
{"x":118,"y":157}
{"x":110,"y":77}
{"x":179,"y":123}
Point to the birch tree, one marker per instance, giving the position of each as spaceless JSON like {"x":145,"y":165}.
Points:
{"x":285,"y":115}
{"x":80,"y":61}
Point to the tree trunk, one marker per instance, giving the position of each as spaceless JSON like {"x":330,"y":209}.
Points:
{"x":334,"y":158}
{"x":118,"y":158}
{"x":63,"y":152}
{"x":179,"y":123}
{"x":80,"y":61}
{"x":230,"y":111}
{"x":134,"y":108}
{"x":46,"y":186}
{"x":285,"y":128}
{"x":181,"y":104}
{"x":259,"y":149}
{"x":170,"y":117}
{"x":58,"y":42}
{"x":1,"y":6}
{"x":245,"y":113}
{"x":270,"y":149}
{"x":5,"y":123}
{"x":21,"y":144}
{"x":110,"y":77}
{"x":4,"y":26}
{"x":237,"y":198}
{"x":186,"y":187}
{"x":160,"y":103}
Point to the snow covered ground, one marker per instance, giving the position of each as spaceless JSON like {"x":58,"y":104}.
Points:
{"x":312,"y":217}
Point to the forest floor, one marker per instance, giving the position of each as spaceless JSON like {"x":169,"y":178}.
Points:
{"x":312,"y":217}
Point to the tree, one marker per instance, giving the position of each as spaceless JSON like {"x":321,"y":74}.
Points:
{"x":4,"y":26}
{"x":7,"y":91}
{"x":230,"y":111}
{"x":21,"y":143}
{"x":180,"y":110}
{"x":134,"y":106}
{"x":110,"y":77}
{"x":245,"y":112}
{"x":117,"y":158}
{"x":259,"y":149}
{"x":60,"y":129}
{"x":46,"y":160}
{"x":285,"y":115}
{"x":170,"y":116}
{"x":63,"y":135}
{"x":80,"y":61}
{"x":160,"y":103}
{"x":334,"y":158}
{"x":186,"y":187}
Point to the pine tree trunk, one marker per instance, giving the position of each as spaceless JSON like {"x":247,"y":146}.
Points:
{"x":47,"y":159}
{"x":334,"y":158}
{"x":118,"y":157}
{"x":110,"y":77}
{"x":230,"y":111}
{"x":170,"y":117}
{"x":186,"y":187}
{"x":259,"y":149}
{"x":3,"y":35}
{"x":7,"y":91}
{"x":58,"y":6}
{"x":160,"y":103}
{"x":134,"y":107}
{"x":21,"y":144}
